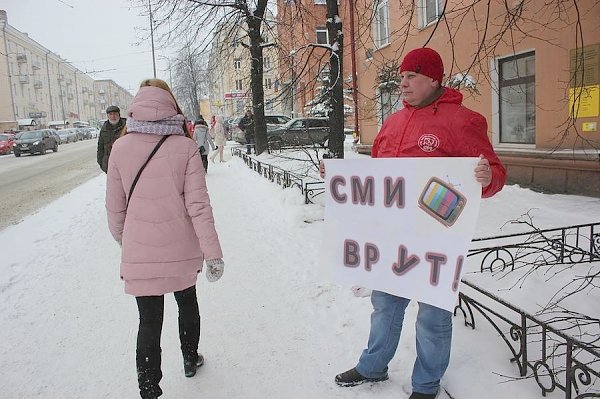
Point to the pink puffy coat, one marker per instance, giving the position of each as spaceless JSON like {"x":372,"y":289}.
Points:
{"x":169,"y":229}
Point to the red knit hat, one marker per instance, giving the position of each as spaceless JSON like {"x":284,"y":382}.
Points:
{"x":424,"y":61}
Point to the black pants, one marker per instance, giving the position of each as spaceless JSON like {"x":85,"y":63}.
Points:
{"x":205,"y":162}
{"x":148,"y":352}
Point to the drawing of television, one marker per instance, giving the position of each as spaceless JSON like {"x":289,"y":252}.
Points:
{"x":442,"y":201}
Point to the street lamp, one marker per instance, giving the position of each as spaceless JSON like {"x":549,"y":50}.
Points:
{"x":152,"y":37}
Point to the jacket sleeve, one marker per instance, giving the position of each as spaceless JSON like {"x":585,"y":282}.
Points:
{"x":197,"y":203}
{"x":475,"y":134}
{"x":116,"y":200}
{"x":100,"y":150}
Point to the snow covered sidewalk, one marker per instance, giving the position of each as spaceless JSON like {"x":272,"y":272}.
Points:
{"x":272,"y":327}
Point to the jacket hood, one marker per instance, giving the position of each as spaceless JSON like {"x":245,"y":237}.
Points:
{"x":449,"y":95}
{"x":152,"y":104}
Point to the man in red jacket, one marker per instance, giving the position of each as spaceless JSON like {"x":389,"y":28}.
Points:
{"x":433,"y":123}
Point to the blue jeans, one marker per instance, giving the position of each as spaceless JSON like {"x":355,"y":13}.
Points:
{"x":434,"y":339}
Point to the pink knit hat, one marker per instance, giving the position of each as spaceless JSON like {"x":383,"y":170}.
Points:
{"x":424,"y":61}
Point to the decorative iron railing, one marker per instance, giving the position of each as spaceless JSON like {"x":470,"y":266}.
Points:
{"x":310,"y":189}
{"x":559,"y":352}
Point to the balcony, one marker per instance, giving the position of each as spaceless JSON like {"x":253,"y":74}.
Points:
{"x":61,"y":77}
{"x":21,"y":58}
{"x":69,"y":82}
{"x":84,"y":89}
{"x":102,"y":101}
{"x":101,"y":91}
{"x":70,"y":96}
{"x":23,"y":79}
{"x":38,"y":84}
{"x":36,"y":65}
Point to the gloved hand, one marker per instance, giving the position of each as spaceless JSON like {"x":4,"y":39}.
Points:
{"x":214,"y":269}
{"x":361,"y":291}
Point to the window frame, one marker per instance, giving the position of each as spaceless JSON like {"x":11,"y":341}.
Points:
{"x":321,"y":29}
{"x":391,"y":106}
{"x":378,"y":41}
{"x":422,"y":14}
{"x":528,"y":81}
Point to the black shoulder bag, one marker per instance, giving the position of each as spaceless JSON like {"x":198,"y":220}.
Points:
{"x":142,"y":168}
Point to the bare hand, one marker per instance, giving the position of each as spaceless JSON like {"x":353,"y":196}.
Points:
{"x":322,"y":169}
{"x":483,"y":171}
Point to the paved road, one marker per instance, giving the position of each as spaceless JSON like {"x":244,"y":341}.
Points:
{"x":32,"y":181}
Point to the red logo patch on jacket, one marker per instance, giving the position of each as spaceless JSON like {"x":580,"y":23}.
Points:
{"x":429,"y":142}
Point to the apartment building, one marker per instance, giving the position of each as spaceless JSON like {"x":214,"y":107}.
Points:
{"x":533,"y":75}
{"x":38,"y":88}
{"x":303,"y":64}
{"x":108,"y":92}
{"x":229,"y":70}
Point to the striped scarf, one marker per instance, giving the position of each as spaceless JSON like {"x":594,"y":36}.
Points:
{"x":172,"y":125}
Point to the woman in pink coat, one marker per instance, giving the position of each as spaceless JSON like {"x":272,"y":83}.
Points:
{"x":166,"y":229}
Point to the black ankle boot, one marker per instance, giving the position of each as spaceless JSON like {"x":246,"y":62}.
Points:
{"x":190,"y":365}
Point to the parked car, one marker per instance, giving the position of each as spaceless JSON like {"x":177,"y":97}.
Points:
{"x":56,"y":136}
{"x":300,"y":132}
{"x":275,"y":121}
{"x":234,"y":131}
{"x":35,"y":141}
{"x":94,"y":132}
{"x":68,"y":135}
{"x":272,"y":121}
{"x":7,"y":141}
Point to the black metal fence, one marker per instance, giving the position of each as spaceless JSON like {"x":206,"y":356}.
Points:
{"x":561,"y":351}
{"x":310,"y":188}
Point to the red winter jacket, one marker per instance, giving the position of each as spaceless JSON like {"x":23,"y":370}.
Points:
{"x":443,"y":128}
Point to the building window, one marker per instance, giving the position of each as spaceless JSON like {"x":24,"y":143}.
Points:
{"x":237,"y":63}
{"x":430,"y":11}
{"x":269,"y":105}
{"x":322,"y":36}
{"x":268,"y":84}
{"x":266,"y":63}
{"x":388,"y":102}
{"x":517,"y":99}
{"x":381,"y":27}
{"x":320,"y":1}
{"x":238,"y":85}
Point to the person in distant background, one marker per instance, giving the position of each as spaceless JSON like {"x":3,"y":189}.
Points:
{"x":246,"y":125}
{"x":218,"y":134}
{"x":109,"y":133}
{"x":203,"y":141}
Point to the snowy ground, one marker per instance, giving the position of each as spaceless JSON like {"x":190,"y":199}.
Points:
{"x":272,"y":327}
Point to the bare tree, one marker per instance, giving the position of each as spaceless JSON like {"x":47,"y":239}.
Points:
{"x":197,"y":18}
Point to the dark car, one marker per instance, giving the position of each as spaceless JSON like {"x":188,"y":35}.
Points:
{"x":7,"y":141}
{"x":35,"y":141}
{"x":272,"y":121}
{"x":300,"y":132}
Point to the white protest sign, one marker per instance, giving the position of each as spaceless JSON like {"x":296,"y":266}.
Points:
{"x":401,"y":225}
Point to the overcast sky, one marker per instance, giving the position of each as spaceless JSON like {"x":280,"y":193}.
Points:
{"x":108,"y":36}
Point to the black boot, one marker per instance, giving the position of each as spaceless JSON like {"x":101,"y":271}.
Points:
{"x":148,"y":374}
{"x":191,"y":364}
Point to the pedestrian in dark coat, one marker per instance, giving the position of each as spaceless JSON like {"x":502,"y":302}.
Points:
{"x":246,"y":125}
{"x":109,"y":133}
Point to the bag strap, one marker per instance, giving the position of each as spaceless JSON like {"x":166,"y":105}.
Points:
{"x":162,"y":140}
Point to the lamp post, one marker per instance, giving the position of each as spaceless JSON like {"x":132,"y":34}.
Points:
{"x":152,"y":37}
